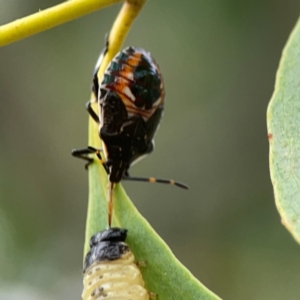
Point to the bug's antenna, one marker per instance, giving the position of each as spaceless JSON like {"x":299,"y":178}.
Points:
{"x":157,"y":180}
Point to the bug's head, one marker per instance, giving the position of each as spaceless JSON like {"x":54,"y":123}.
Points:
{"x":109,"y":235}
{"x":117,"y":165}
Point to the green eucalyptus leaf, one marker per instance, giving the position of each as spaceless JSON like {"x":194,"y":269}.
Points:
{"x":283,"y":121}
{"x":163,"y":273}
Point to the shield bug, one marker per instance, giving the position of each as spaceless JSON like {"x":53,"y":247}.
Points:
{"x":130,"y":99}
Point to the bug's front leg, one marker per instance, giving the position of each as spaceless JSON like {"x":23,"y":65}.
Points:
{"x":84,"y":154}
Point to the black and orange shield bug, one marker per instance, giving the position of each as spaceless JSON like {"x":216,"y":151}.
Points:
{"x":130,"y":99}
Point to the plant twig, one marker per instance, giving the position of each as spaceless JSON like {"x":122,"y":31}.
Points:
{"x":49,"y":18}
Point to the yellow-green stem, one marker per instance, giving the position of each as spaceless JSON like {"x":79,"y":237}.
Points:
{"x":49,"y":18}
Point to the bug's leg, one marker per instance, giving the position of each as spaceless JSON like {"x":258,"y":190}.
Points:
{"x":102,"y":161}
{"x":96,"y":80}
{"x":83,"y":154}
{"x":157,"y":180}
{"x":90,"y":110}
{"x":96,"y":84}
{"x":106,"y":42}
{"x":101,"y":57}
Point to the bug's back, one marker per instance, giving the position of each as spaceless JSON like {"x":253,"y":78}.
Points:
{"x":131,"y":103}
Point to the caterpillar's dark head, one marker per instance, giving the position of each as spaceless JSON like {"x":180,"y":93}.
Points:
{"x":106,"y":245}
{"x":109,"y":235}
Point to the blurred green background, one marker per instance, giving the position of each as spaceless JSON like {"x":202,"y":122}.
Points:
{"x":219,"y":60}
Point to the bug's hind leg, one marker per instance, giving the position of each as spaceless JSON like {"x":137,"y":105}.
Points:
{"x":155,"y":180}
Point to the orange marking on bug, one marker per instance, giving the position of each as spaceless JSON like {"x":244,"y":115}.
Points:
{"x":127,"y":71}
{"x":152,"y":179}
{"x":172,"y":181}
{"x":134,"y":59}
{"x":270,"y":136}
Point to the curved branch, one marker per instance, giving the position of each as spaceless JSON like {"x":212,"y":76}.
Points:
{"x":49,"y":18}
